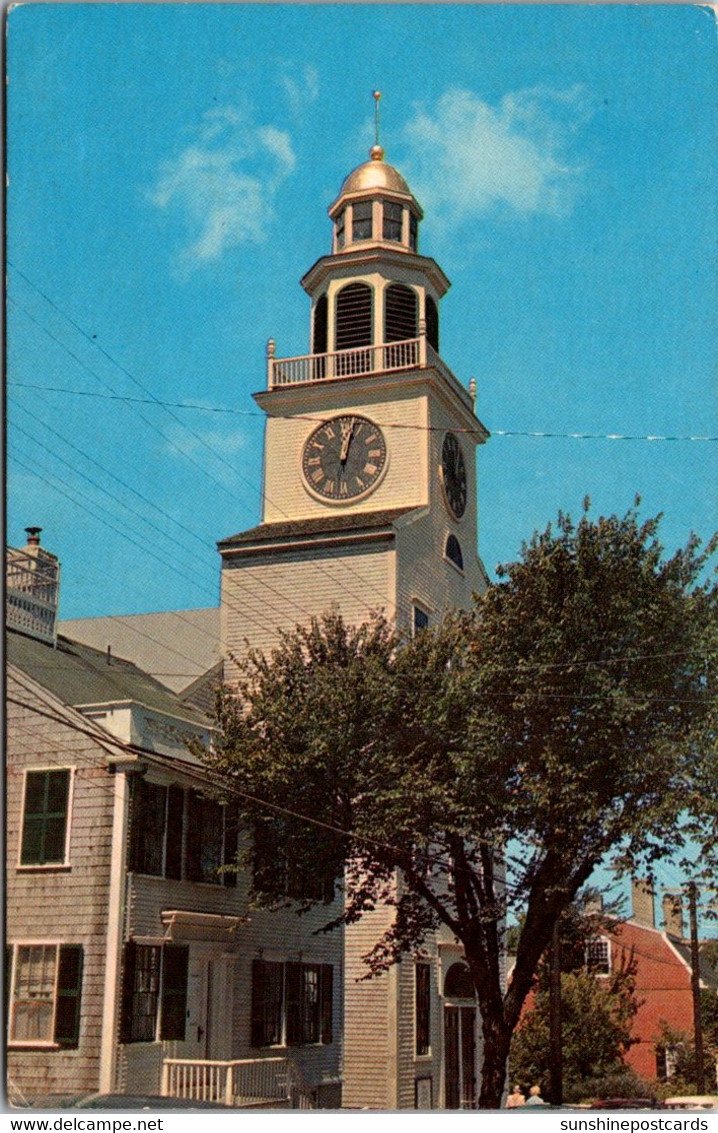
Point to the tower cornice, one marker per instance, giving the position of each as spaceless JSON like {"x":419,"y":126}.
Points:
{"x":373,"y":256}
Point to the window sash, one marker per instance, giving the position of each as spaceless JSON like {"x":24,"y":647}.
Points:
{"x":46,"y":994}
{"x":292,"y":1003}
{"x":362,"y":220}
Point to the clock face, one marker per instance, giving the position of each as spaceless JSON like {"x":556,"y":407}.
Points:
{"x":453,"y":474}
{"x":344,"y":458}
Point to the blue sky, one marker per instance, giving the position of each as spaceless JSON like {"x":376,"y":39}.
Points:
{"x":170,"y":168}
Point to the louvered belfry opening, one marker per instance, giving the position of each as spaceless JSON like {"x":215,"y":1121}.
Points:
{"x":400,"y":307}
{"x":354,"y":328}
{"x":353,"y":316}
{"x":432,"y":323}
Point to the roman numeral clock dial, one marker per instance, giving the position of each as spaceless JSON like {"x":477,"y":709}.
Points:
{"x":344,"y":458}
{"x":453,"y":475}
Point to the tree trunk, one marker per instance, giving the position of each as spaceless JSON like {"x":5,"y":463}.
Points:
{"x":497,"y":1043}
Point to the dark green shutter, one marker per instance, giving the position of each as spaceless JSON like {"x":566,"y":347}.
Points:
{"x":44,"y":825}
{"x":129,"y":959}
{"x":175,"y":962}
{"x":229,"y":877}
{"x":294,"y":1004}
{"x":175,"y":817}
{"x":326,"y":1001}
{"x":69,"y":995}
{"x":259,"y":988}
{"x":193,"y":869}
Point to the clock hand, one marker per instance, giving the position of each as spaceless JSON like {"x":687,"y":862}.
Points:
{"x":347,"y":434}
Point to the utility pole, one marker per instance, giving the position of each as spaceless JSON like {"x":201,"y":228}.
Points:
{"x":555,"y":1047}
{"x":696,"y":989}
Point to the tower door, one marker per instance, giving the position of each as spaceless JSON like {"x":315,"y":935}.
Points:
{"x":459,"y":1057}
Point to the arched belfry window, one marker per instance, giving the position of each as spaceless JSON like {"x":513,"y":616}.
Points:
{"x":354,"y":321}
{"x":400,"y":313}
{"x":319,"y":336}
{"x":453,"y":552}
{"x":432,"y":323}
{"x":457,"y":984}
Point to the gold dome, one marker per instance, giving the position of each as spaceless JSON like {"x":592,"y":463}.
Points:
{"x":375,"y":174}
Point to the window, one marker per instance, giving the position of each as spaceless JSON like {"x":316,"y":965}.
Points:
{"x":413,"y":232}
{"x":267,"y":1003}
{"x":361,"y":220}
{"x":291,"y":1003}
{"x":421,"y":620}
{"x":598,"y":956}
{"x":46,"y":993}
{"x":341,"y":221}
{"x":400,"y":307}
{"x":432,"y":323}
{"x":163,"y":844}
{"x":281,"y":874}
{"x":457,"y":984}
{"x":149,"y":820}
{"x":453,"y":552}
{"x":45,"y":814}
{"x":147,"y":968}
{"x":392,"y":220}
{"x":422,"y":1007}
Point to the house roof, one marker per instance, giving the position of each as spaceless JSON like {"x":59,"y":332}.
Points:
{"x":78,"y":674}
{"x":322,"y":525}
{"x":175,"y":646}
{"x":708,"y":975}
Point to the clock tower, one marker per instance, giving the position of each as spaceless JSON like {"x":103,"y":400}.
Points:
{"x":369,"y":478}
{"x":369,"y":503}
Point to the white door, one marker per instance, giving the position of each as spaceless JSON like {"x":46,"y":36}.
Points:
{"x":195,"y":1044}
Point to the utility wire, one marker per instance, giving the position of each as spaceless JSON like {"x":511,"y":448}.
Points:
{"x":321,"y":568}
{"x":384,"y":424}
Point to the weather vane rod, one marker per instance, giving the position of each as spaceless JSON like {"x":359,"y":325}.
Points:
{"x":377,"y":96}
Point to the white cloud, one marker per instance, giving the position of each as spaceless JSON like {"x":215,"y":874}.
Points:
{"x":469,"y":157}
{"x":300,"y":86}
{"x":224,"y":183}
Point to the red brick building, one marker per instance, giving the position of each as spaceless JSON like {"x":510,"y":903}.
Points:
{"x":663,"y":976}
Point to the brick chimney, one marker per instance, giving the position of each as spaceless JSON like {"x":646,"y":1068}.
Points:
{"x":32,"y":588}
{"x":642,"y":900}
{"x":673,"y":914}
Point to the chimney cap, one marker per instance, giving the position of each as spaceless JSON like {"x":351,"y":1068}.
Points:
{"x":33,"y":534}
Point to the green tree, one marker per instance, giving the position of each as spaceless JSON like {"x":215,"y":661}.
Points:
{"x":596,"y":1020}
{"x":558,"y":713}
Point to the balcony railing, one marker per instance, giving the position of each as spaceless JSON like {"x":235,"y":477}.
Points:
{"x":345,"y":363}
{"x":242,"y":1083}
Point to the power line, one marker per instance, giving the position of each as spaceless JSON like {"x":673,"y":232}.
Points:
{"x":537,"y":434}
{"x":349,"y":568}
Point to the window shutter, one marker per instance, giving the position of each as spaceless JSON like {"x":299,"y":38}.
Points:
{"x":193,"y":870}
{"x":259,"y":987}
{"x":174,"y":991}
{"x":231,"y":829}
{"x":45,"y":818}
{"x":294,"y":1004}
{"x":128,"y":987}
{"x":173,"y":851}
{"x":326,"y":989}
{"x":69,"y":995}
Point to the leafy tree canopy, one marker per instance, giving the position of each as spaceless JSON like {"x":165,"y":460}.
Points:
{"x":560,"y":714}
{"x":596,"y":1030}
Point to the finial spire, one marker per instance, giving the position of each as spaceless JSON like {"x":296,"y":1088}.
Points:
{"x":376,"y":153}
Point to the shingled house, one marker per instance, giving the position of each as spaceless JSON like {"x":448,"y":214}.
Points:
{"x":134,"y":963}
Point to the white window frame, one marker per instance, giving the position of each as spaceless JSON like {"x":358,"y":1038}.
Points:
{"x":65,"y":863}
{"x":600,"y":940}
{"x":33,"y":1043}
{"x":417,"y":604}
